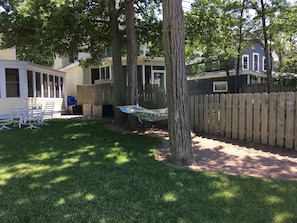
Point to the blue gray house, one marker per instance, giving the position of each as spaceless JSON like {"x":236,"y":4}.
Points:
{"x":213,"y":79}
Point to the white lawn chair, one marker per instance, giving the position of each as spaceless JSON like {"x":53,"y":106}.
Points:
{"x":5,"y":122}
{"x":48,"y":112}
{"x":33,"y":118}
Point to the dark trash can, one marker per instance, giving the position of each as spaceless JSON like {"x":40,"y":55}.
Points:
{"x":77,"y":110}
{"x":107,"y":111}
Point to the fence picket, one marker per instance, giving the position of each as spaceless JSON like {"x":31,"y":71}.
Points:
{"x":264,"y":118}
{"x":295,"y":135}
{"x":272,"y":119}
{"x":222,"y":115}
{"x":210,"y":113}
{"x":249,"y":117}
{"x":235,"y":101}
{"x":205,"y":114}
{"x":256,"y":118}
{"x":242,"y":117}
{"x":280,"y":122}
{"x":289,"y":129}
{"x":201,"y":115}
{"x":229,"y":115}
{"x":192,"y":112}
{"x":196,"y":104}
{"x":216,"y":114}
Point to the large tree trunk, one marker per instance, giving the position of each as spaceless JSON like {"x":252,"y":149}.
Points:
{"x":131,"y":59}
{"x":119,"y":79}
{"x":177,"y":89}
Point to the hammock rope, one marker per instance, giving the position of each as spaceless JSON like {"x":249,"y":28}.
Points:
{"x":150,"y":115}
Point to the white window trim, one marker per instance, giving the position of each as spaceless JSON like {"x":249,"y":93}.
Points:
{"x":254,"y":54}
{"x":214,"y":84}
{"x":245,"y":56}
{"x":263,"y":63}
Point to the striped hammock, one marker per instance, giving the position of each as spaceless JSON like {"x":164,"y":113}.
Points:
{"x":150,"y":115}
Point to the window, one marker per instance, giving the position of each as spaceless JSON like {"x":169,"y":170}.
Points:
{"x":62,"y":86}
{"x":57,"y":95}
{"x":220,"y":86}
{"x":12,"y":82}
{"x":103,"y":76}
{"x":95,"y":74}
{"x":38,"y":85}
{"x":30,"y":83}
{"x":45,"y":86}
{"x":51,"y":85}
{"x":102,"y":73}
{"x":264,"y":64}
{"x":255,"y":61}
{"x":245,"y":62}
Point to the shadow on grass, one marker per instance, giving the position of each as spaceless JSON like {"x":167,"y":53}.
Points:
{"x":75,"y":171}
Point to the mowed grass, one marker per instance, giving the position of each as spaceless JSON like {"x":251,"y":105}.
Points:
{"x":75,"y":171}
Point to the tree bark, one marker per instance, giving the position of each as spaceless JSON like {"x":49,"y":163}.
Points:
{"x":131,"y":59}
{"x":119,"y":79}
{"x":177,"y":89}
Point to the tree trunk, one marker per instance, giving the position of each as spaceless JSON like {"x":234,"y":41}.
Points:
{"x":177,"y":89}
{"x":118,"y":76}
{"x":266,"y":47}
{"x":239,"y":47}
{"x":131,"y":59}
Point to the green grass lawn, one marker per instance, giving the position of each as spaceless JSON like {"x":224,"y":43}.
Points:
{"x":75,"y":171}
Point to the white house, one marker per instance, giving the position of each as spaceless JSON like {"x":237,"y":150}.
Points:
{"x":151,"y":71}
{"x":22,"y":81}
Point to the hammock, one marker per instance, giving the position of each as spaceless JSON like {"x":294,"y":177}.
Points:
{"x":150,"y":115}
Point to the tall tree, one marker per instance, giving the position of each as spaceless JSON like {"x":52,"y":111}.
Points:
{"x":265,"y":11}
{"x":131,"y":58}
{"x":119,"y":79}
{"x":177,"y":89}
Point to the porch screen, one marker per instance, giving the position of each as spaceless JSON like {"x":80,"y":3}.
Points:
{"x":12,"y":82}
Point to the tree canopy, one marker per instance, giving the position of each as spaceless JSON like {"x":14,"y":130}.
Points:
{"x":223,"y":29}
{"x":42,"y":29}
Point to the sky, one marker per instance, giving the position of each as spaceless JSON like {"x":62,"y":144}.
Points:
{"x":187,"y":5}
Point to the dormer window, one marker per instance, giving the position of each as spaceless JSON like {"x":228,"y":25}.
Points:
{"x":255,"y":61}
{"x":245,"y":62}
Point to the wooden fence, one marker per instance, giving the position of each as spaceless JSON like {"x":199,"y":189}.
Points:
{"x":95,"y":94}
{"x":269,"y":119}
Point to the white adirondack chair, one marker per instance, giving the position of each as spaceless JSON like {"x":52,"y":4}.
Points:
{"x":48,"y":112}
